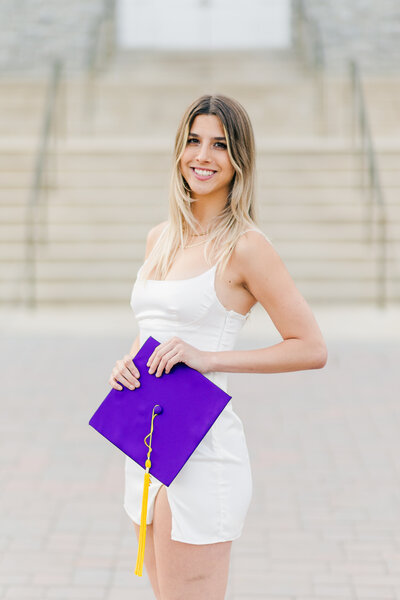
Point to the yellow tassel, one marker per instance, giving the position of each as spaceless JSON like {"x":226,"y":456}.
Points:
{"x":157,"y":410}
{"x":142,"y":532}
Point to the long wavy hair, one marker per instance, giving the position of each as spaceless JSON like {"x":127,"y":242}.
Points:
{"x":238,"y":213}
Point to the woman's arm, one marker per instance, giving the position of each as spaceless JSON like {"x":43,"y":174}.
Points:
{"x":266,"y":277}
{"x":135,"y":346}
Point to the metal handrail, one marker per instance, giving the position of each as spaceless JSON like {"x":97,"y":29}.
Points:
{"x":100,"y":51}
{"x":99,"y":54}
{"x":311,"y":50}
{"x":40,"y":182}
{"x":370,"y":179}
{"x":309,"y":39}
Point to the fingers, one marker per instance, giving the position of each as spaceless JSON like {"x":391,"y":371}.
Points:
{"x":130,"y":365}
{"x":167,"y":361}
{"x":155,"y":357}
{"x":126,"y":373}
{"x":166,"y":355}
{"x":117,"y":381}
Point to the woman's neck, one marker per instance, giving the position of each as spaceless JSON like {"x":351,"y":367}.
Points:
{"x":205,"y":209}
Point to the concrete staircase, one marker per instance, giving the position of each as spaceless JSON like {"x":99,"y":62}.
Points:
{"x":113,"y":168}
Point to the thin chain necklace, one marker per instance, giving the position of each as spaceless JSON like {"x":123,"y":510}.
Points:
{"x":192,"y":245}
{"x":198,"y":243}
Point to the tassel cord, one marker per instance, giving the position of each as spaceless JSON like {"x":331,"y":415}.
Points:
{"x":143,"y":517}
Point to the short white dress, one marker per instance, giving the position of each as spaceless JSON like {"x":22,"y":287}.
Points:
{"x":210,"y":496}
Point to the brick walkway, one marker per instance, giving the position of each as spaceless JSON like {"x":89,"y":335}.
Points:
{"x":325,"y":448}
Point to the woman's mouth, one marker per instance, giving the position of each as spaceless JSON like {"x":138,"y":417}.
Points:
{"x":203,"y":174}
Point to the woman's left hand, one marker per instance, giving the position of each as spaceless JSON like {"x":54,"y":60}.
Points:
{"x":175,"y":350}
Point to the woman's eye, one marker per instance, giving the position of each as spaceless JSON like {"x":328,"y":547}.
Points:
{"x":217,"y":143}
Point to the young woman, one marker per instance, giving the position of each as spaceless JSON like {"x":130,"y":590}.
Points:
{"x":204,"y":270}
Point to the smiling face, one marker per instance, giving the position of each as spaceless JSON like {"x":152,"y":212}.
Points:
{"x":205,"y":162}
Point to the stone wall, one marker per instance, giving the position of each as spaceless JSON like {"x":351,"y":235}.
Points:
{"x":369,"y":30}
{"x":33,"y":32}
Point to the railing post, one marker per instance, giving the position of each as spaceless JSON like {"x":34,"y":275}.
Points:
{"x":30,"y":259}
{"x":370,"y":182}
{"x":382,"y":268}
{"x":36,"y":217}
{"x":354,"y":103}
{"x":312,"y":54}
{"x":100,"y":52}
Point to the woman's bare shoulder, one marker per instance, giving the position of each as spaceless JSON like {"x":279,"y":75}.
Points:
{"x":252,"y":247}
{"x":153,"y":236}
{"x":155,"y":231}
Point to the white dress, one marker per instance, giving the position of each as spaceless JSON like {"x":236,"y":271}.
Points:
{"x":210,"y":496}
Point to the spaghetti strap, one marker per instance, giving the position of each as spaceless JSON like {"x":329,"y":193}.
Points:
{"x":215,"y":265}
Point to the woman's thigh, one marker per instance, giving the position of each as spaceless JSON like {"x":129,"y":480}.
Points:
{"x":150,"y":559}
{"x":187,"y":571}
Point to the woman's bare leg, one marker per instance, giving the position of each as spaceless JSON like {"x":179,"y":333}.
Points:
{"x":187,"y":571}
{"x":150,"y":558}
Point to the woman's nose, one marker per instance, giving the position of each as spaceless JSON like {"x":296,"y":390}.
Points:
{"x":203,"y":152}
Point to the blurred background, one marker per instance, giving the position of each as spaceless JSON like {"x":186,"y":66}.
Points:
{"x":91,"y":94}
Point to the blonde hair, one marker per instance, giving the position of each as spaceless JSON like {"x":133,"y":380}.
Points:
{"x":239,"y":211}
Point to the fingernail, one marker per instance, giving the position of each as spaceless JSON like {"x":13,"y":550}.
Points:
{"x":138,"y":384}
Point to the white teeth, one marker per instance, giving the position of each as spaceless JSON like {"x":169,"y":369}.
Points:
{"x":202,"y":172}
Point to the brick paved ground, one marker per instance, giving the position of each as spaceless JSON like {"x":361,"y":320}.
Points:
{"x":325,"y":446}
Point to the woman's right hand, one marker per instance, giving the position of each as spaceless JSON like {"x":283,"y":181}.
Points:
{"x":126,"y":373}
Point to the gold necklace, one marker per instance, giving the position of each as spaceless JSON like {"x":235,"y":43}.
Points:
{"x":192,"y":245}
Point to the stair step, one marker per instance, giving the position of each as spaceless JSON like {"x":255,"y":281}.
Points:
{"x":161,"y":161}
{"x":315,"y":291}
{"x":126,"y":269}
{"x":80,"y":232}
{"x":141,"y":196}
{"x":140,"y":212}
{"x":158,"y":195}
{"x":113,"y":172}
{"x":102,"y":250}
{"x":123,"y":179}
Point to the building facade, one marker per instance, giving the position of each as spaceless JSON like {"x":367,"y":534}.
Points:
{"x":33,"y":32}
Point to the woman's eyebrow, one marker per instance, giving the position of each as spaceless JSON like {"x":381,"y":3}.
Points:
{"x":214,"y":138}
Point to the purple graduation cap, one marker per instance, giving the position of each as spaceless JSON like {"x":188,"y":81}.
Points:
{"x":173,"y":412}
